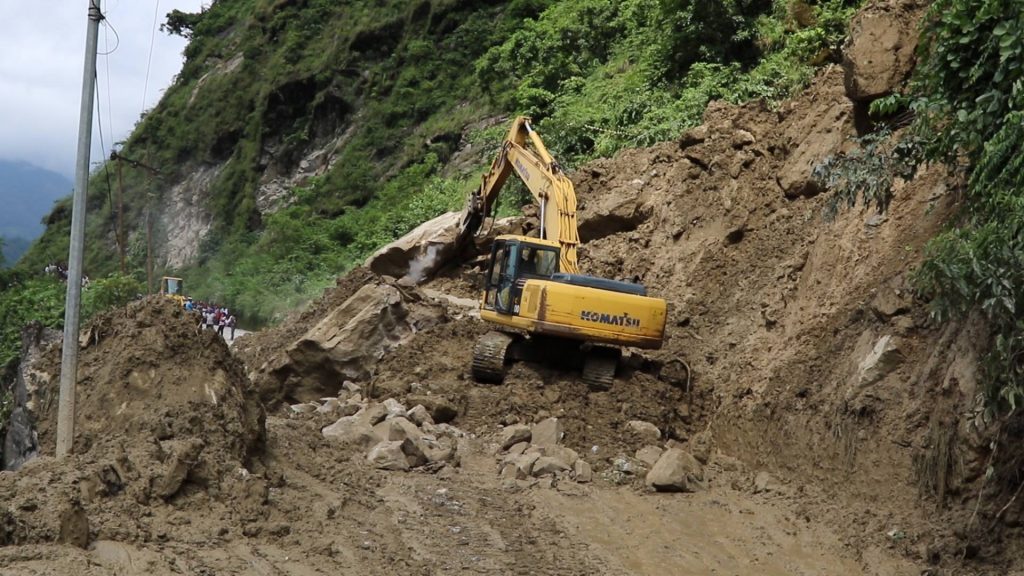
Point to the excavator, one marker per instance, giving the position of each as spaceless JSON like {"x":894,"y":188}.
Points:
{"x":173,"y":288}
{"x":533,"y":291}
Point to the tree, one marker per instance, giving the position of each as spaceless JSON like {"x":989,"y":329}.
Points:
{"x":181,"y":23}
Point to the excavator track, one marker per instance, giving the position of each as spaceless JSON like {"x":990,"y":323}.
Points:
{"x":489,"y":356}
{"x":599,"y":368}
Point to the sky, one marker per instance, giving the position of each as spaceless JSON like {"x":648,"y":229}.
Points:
{"x":42,"y":55}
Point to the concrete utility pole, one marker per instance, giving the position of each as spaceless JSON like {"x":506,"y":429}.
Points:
{"x":72,"y":305}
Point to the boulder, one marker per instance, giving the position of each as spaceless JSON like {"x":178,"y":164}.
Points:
{"x":817,"y":134}
{"x":675,"y":471}
{"x":517,"y":449}
{"x":644,"y":430}
{"x":418,"y":254}
{"x":437,"y":449}
{"x":31,"y":387}
{"x":567,"y":455}
{"x":879,"y":55}
{"x":181,"y":456}
{"x":441,"y":409}
{"x":610,"y":214}
{"x":372,"y":413}
{"x":549,"y":465}
{"x":547,"y":432}
{"x":581,"y":472}
{"x":884,"y":357}
{"x":523,"y":465}
{"x":511,"y":435}
{"x":396,"y":455}
{"x":890,"y":300}
{"x":350,"y":340}
{"x":388,"y":455}
{"x":329,"y":406}
{"x":649,"y":455}
{"x":765,"y":482}
{"x":419,"y":415}
{"x":394,"y":408}
{"x":351,"y":430}
{"x":397,"y":429}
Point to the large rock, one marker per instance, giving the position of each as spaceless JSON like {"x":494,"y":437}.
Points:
{"x":675,"y":471}
{"x":879,"y":54}
{"x":884,"y":357}
{"x":352,"y":430}
{"x":549,"y":465}
{"x":396,"y":455}
{"x":397,"y":429}
{"x":623,"y":211}
{"x":441,"y":409}
{"x":21,"y":442}
{"x":547,"y":432}
{"x":644,"y":430}
{"x":348,"y":342}
{"x":420,"y":252}
{"x":511,"y":435}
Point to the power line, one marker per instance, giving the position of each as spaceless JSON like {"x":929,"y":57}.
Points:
{"x":149,"y":63}
{"x":106,"y":63}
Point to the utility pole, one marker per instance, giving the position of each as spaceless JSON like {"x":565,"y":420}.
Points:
{"x":69,"y":353}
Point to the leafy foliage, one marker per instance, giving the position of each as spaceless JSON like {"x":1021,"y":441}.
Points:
{"x":867,"y":172}
{"x":113,"y":291}
{"x":967,"y":96}
{"x":23,"y":300}
{"x":971,"y":115}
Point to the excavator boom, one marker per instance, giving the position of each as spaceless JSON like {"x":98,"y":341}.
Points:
{"x":552,"y":190}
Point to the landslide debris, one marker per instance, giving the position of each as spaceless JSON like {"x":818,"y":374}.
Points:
{"x":164,"y":413}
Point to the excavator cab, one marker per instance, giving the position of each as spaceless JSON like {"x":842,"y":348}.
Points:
{"x":514,"y":260}
{"x":173,"y":288}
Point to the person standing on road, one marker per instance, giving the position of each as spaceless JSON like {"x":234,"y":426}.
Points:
{"x":231,"y":324}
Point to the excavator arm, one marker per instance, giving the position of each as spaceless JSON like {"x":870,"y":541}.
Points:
{"x":551,"y":189}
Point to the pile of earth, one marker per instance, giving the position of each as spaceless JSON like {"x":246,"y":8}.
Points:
{"x":164,"y":413}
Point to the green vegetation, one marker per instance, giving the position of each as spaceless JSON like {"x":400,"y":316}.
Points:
{"x":968,"y":106}
{"x":400,"y":86}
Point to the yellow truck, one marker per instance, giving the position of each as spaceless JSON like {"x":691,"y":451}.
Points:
{"x":533,"y":290}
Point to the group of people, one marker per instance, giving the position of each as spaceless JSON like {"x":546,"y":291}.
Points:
{"x":212,"y":316}
{"x":61,"y":271}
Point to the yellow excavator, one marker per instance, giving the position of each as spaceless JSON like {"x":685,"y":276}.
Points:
{"x":547,"y":311}
{"x":173,"y":288}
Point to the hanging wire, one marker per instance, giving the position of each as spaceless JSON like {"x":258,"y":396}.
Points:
{"x":106,"y":63}
{"x":149,"y":62}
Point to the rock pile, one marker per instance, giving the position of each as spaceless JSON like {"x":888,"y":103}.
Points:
{"x":392,"y":436}
{"x":527,"y":452}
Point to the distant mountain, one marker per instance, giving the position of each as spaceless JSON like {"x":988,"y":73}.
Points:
{"x":13,"y":248}
{"x":27,"y":194}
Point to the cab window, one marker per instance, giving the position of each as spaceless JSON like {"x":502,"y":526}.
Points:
{"x":535,"y":261}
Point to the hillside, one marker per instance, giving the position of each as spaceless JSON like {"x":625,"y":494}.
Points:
{"x":302,"y":135}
